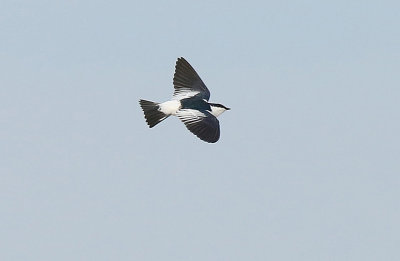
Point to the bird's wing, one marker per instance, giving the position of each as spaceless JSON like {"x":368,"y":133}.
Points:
{"x":201,"y":123}
{"x":187,"y":82}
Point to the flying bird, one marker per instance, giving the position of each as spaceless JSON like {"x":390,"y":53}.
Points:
{"x":189,"y":103}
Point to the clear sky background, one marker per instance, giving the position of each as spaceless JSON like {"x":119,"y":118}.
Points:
{"x":307,"y":167}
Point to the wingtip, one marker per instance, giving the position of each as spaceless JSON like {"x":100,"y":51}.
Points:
{"x":180,"y":59}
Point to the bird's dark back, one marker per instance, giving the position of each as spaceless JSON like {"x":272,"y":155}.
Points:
{"x":195,"y":103}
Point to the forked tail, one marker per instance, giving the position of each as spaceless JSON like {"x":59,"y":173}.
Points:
{"x":151,"y":113}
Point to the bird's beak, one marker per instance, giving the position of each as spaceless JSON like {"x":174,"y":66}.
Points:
{"x":228,"y":109}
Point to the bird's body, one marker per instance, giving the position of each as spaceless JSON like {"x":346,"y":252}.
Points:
{"x":189,"y":103}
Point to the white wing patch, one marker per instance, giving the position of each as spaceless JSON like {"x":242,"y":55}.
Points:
{"x":184,"y":94}
{"x":190,"y":116}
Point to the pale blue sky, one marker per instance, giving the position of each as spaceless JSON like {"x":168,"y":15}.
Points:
{"x":307,"y":167}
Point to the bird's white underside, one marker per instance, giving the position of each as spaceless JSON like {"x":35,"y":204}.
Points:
{"x":170,"y":107}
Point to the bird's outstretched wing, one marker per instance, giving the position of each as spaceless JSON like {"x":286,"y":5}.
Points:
{"x":201,"y":123}
{"x":187,"y":82}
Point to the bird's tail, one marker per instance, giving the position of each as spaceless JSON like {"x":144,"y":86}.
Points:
{"x":151,"y":113}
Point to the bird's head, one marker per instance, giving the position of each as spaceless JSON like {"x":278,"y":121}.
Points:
{"x":218,"y":109}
